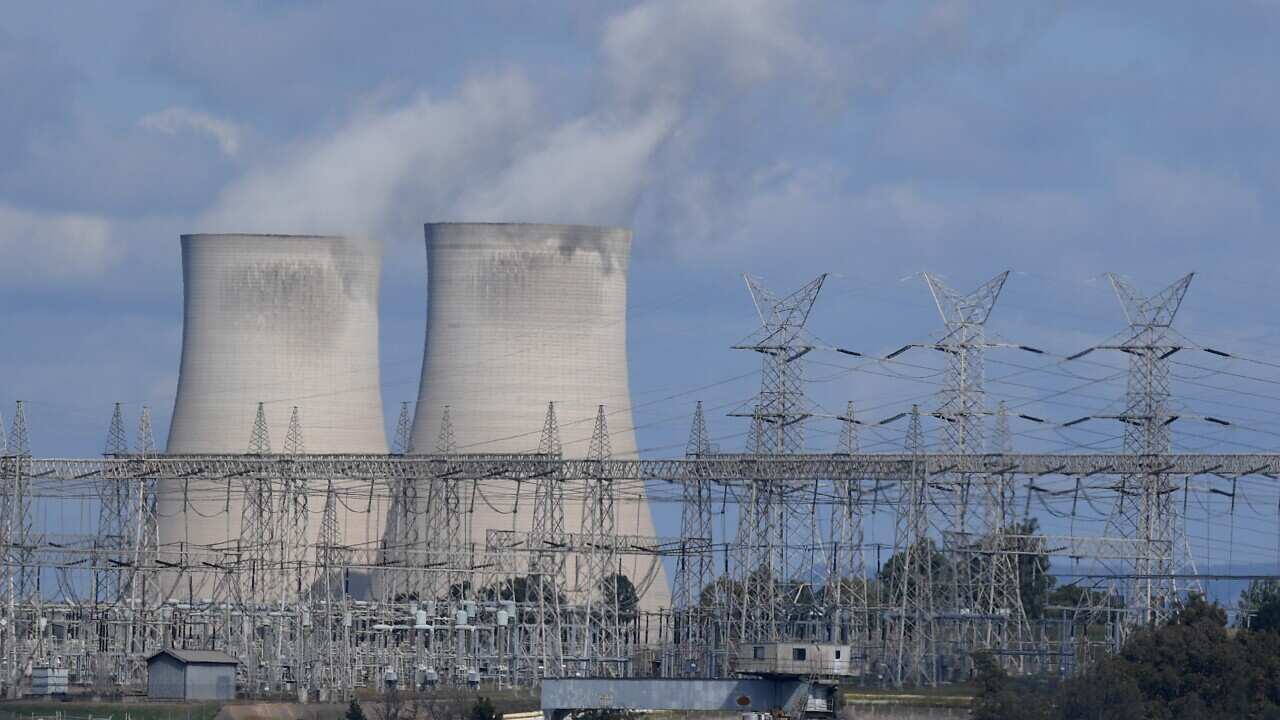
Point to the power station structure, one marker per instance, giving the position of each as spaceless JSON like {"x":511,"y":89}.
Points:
{"x":526,"y":328}
{"x":506,"y":537}
{"x":278,"y":330}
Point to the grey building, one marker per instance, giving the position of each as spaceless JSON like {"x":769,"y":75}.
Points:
{"x":191,"y":675}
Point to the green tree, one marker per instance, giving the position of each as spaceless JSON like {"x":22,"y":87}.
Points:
{"x":1189,"y":668}
{"x":1261,"y":593}
{"x":851,"y":587}
{"x":1034,"y":581}
{"x":617,"y":588}
{"x":1106,"y":692}
{"x":483,"y":709}
{"x":1267,"y":616}
{"x":999,"y":697}
{"x":354,"y":711}
{"x":1032,"y":559}
{"x":521,"y":589}
{"x":1083,"y":604}
{"x":937,"y":564}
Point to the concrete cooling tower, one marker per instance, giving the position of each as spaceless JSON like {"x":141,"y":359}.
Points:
{"x":283,"y":320}
{"x":519,"y":315}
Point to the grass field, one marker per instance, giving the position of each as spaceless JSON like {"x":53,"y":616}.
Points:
{"x":85,"y":710}
{"x":452,"y":701}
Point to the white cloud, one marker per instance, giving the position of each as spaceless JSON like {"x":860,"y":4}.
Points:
{"x":178,"y":119}
{"x":415,"y":154}
{"x":48,"y":248}
{"x":667,"y":49}
{"x":587,"y":171}
{"x":488,"y":153}
{"x":1184,"y":201}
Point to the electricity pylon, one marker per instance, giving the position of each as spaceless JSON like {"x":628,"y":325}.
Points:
{"x":777,"y":519}
{"x":962,"y":407}
{"x":603,"y":649}
{"x":845,"y":590}
{"x":695,"y":572}
{"x":913,"y":632}
{"x":546,"y":565}
{"x":1145,"y":506}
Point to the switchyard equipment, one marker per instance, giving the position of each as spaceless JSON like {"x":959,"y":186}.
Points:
{"x":452,"y":605}
{"x":494,"y":624}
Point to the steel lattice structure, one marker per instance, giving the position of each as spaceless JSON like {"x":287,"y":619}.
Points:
{"x":316,"y":633}
{"x":772,"y":566}
{"x":792,"y":570}
{"x":985,"y":580}
{"x":1146,"y":509}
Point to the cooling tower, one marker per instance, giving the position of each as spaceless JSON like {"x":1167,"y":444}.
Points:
{"x":283,"y":320}
{"x":519,"y":315}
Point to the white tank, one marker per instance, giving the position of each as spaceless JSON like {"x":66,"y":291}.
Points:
{"x":283,"y":320}
{"x":519,"y":315}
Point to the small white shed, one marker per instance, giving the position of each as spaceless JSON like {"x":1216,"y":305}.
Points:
{"x":796,"y":658}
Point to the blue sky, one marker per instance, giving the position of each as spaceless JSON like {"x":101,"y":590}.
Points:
{"x":871,"y":140}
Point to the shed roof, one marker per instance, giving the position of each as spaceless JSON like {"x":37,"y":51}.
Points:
{"x":200,"y":657}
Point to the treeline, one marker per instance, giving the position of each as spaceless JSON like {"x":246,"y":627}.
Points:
{"x":1193,"y":667}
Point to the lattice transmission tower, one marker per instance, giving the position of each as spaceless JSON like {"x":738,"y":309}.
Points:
{"x":913,"y":593}
{"x":845,"y":589}
{"x":777,"y":529}
{"x":116,"y":526}
{"x":148,"y":528}
{"x":962,"y":399}
{"x":996,"y":574}
{"x":403,"y":535}
{"x":147,"y":489}
{"x":753,"y":596}
{"x":257,"y":526}
{"x":983,"y":583}
{"x":603,"y":651}
{"x":695,"y":571}
{"x":446,"y":526}
{"x":20,"y":574}
{"x":1145,"y":508}
{"x":546,"y":564}
{"x":293,"y":514}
